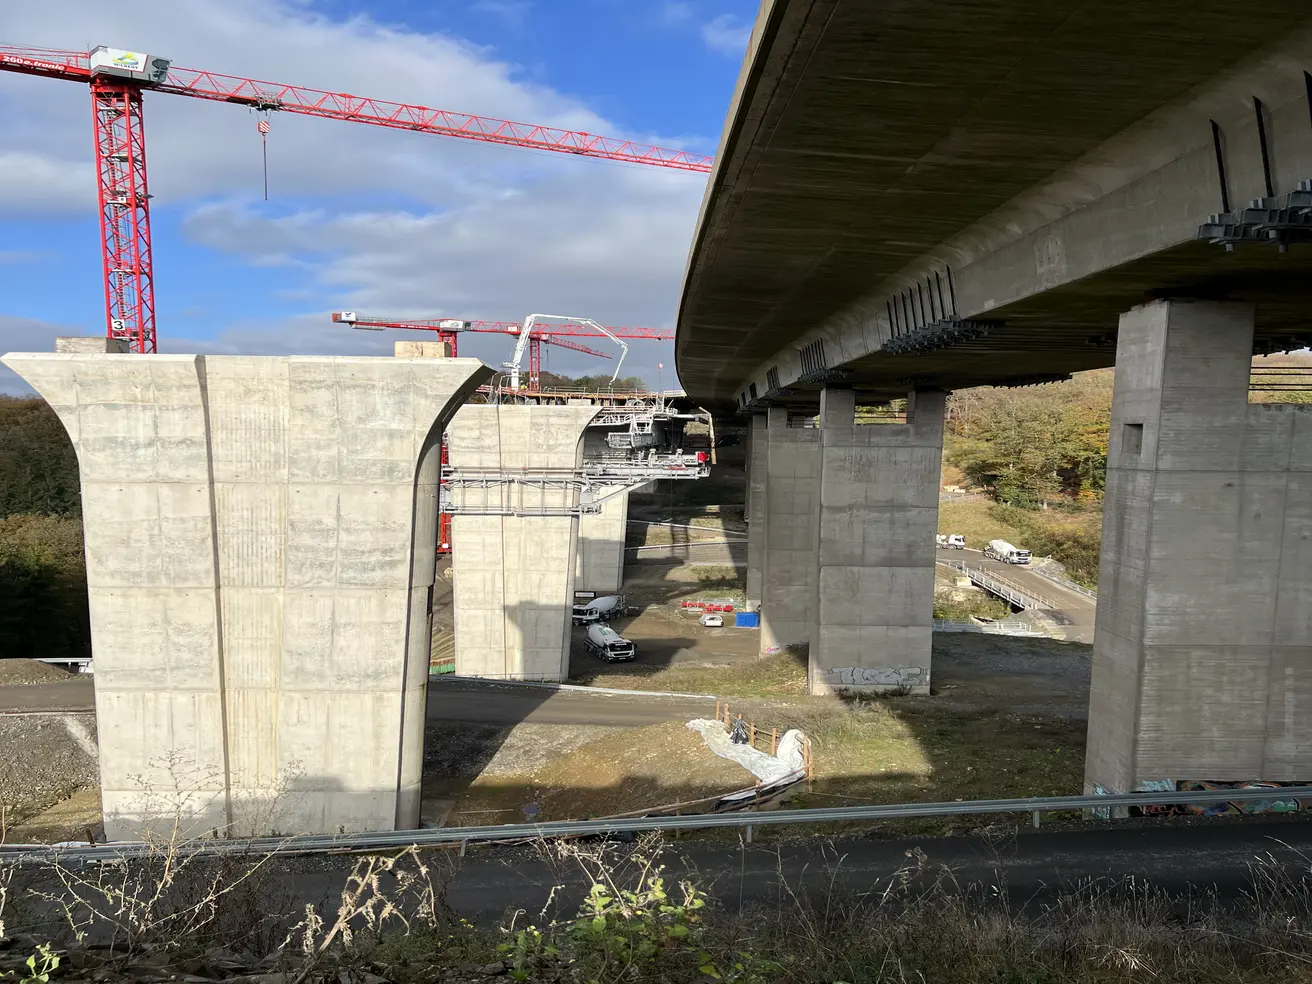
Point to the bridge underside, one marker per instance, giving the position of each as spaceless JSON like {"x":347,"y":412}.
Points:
{"x":872,"y":145}
{"x":1073,"y":328}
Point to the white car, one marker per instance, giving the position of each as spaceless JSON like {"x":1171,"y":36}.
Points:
{"x":712,"y":621}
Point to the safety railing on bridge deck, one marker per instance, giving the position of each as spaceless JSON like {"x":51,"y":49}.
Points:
{"x":558,"y":491}
{"x":518,"y":832}
{"x":1004,"y":588}
{"x":1066,"y":582}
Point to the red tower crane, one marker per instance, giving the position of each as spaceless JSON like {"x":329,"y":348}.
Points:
{"x":448,"y":329}
{"x":118,"y":78}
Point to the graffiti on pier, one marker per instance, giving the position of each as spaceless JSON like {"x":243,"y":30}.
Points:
{"x":882,"y":677}
{"x":1276,"y":804}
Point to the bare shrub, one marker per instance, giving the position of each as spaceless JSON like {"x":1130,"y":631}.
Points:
{"x":399,"y":894}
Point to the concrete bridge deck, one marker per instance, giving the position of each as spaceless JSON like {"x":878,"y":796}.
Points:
{"x":931,"y":195}
{"x":1039,"y":166}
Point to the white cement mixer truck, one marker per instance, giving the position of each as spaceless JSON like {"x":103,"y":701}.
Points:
{"x":605,"y":643}
{"x":1005,"y":552}
{"x":599,"y":610}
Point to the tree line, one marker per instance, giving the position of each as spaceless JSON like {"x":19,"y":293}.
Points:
{"x":43,"y":591}
{"x":1034,"y":446}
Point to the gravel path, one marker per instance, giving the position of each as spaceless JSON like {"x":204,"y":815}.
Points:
{"x":45,"y":759}
{"x":463,"y":750}
{"x":1031,"y":676}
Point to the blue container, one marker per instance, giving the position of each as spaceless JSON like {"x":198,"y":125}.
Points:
{"x":747,"y":620}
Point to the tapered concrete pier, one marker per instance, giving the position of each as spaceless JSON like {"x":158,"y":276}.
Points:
{"x":260,"y":544}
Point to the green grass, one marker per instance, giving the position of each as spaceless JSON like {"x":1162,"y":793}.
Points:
{"x":975,"y":520}
{"x":905,"y":750}
{"x":976,"y":604}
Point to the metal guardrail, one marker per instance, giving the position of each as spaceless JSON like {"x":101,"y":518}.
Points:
{"x":463,"y":836}
{"x":81,"y":662}
{"x":1066,"y":582}
{"x":1000,"y":586}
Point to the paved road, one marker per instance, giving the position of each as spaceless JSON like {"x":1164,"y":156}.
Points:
{"x":1073,"y":610}
{"x":72,"y":695}
{"x":448,"y":700}
{"x":666,"y":554}
{"x":1030,"y":864}
{"x":453,"y":699}
{"x":1029,"y":868}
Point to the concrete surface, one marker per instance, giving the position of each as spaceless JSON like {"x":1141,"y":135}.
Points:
{"x":1053,"y":174}
{"x":94,"y":345}
{"x":513,"y":575}
{"x":421,"y":350}
{"x":600,"y":555}
{"x":792,"y":509}
{"x":873,"y":612}
{"x":260,"y":547}
{"x":757,"y":468}
{"x":1203,"y":652}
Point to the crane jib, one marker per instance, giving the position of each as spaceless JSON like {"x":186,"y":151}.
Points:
{"x":118,"y":78}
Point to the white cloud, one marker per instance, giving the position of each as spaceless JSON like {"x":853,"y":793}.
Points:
{"x":727,"y":34}
{"x":26,"y":335}
{"x":38,"y":182}
{"x":367,"y":217}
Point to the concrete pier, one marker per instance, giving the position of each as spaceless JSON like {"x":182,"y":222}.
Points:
{"x":792,"y":503}
{"x":260,"y":539}
{"x":874,"y":607}
{"x":1203,"y":652}
{"x":513,"y":575}
{"x":600,"y":556}
{"x":757,"y":467}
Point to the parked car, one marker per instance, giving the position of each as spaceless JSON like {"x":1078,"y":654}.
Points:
{"x":712,"y":621}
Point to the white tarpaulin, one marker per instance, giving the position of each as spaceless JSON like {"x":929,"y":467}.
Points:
{"x":770,"y":769}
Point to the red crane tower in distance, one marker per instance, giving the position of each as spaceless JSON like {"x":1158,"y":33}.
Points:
{"x":118,"y":78}
{"x":448,"y":329}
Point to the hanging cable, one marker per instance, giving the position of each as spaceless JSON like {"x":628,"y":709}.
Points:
{"x":263,"y":127}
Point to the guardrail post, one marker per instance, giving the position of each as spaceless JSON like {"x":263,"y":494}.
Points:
{"x":464,"y":845}
{"x":748,"y":833}
{"x":1034,"y":817}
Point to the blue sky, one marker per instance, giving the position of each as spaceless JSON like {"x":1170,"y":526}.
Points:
{"x":360,"y":217}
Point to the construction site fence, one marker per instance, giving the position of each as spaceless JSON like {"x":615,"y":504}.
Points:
{"x":761,"y":739}
{"x":460,"y":837}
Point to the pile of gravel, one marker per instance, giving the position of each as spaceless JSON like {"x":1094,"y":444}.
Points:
{"x":15,"y":672}
{"x":46,"y":759}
